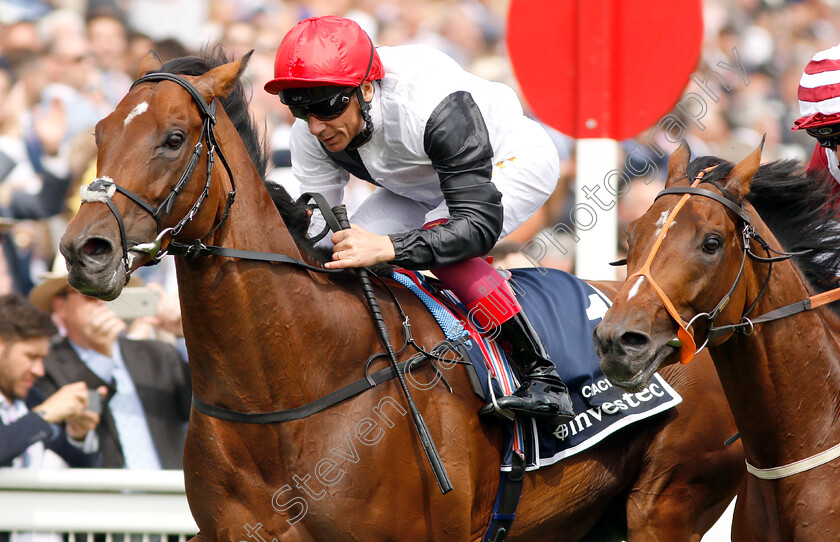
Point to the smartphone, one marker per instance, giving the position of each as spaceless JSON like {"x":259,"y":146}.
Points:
{"x":94,"y":402}
{"x":135,"y":302}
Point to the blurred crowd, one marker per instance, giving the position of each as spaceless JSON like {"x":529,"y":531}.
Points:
{"x":64,"y":64}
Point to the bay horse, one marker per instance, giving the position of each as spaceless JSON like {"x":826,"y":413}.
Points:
{"x":718,"y":269}
{"x":263,"y":337}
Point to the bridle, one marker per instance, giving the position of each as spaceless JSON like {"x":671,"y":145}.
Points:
{"x":746,"y":325}
{"x":102,"y":189}
{"x":685,"y":338}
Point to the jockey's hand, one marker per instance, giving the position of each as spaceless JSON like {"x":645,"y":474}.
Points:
{"x":358,"y":247}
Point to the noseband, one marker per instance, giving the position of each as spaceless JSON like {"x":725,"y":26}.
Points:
{"x":102,"y":189}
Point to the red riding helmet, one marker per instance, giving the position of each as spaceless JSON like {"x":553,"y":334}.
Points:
{"x":324,"y":51}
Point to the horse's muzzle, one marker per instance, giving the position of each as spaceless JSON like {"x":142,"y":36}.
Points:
{"x":93,"y":266}
{"x":624,"y":353}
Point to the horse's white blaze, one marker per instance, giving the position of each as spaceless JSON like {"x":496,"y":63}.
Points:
{"x":635,"y":289}
{"x":660,"y":222}
{"x":139,"y":110}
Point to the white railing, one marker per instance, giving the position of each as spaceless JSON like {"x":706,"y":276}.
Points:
{"x":110,"y":501}
{"x":121,"y":502}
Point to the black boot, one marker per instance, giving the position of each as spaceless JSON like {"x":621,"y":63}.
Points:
{"x":542,"y":395}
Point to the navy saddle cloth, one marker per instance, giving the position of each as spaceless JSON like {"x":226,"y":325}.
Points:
{"x":564,"y":310}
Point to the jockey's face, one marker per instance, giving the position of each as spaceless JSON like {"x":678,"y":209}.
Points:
{"x":337,"y":133}
{"x":827,"y":136}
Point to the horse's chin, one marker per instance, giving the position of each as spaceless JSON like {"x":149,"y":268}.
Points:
{"x":641,"y":379}
{"x":104,"y":284}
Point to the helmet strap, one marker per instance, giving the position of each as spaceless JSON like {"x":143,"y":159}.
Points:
{"x":366,"y":133}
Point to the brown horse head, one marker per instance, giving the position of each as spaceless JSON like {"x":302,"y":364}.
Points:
{"x":685,"y":256}
{"x":151,"y":170}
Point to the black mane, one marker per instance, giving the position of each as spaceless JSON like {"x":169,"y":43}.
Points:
{"x":799,"y":208}
{"x":236,"y":106}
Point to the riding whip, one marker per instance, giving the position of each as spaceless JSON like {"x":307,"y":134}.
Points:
{"x":340,"y":212}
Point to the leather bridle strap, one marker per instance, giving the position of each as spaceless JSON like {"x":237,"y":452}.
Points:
{"x":102,"y":189}
{"x":729,"y":204}
{"x":198,"y":248}
{"x":813,"y":302}
{"x":687,"y":345}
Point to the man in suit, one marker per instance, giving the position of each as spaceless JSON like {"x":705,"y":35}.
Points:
{"x":149,"y":388}
{"x":29,"y":420}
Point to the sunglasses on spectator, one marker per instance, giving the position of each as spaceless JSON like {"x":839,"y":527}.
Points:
{"x":328,"y":109}
{"x":826,"y":136}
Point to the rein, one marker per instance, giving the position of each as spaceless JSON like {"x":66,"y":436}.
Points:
{"x":746,"y":325}
{"x":102,"y":190}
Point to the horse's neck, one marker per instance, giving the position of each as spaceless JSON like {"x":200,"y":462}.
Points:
{"x":253,"y":328}
{"x":781,"y":381}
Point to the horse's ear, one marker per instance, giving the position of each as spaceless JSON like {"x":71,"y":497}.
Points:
{"x":219,"y":81}
{"x":677,"y":164}
{"x":739,"y":179}
{"x":151,"y":62}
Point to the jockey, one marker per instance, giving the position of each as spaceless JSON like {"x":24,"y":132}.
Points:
{"x":819,"y":105}
{"x":456,"y":165}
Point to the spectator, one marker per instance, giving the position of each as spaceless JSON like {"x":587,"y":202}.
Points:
{"x":33,"y":178}
{"x":22,"y":36}
{"x":70,"y":71}
{"x":148,"y":384}
{"x":12,"y":275}
{"x":29,"y":430}
{"x":109,"y":44}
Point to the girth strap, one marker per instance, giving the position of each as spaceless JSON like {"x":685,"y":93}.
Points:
{"x":507,"y":500}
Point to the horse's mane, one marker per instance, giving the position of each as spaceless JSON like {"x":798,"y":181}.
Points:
{"x":236,"y":106}
{"x":800,"y":210}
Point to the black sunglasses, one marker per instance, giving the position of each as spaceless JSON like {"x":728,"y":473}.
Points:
{"x":328,"y":109}
{"x":826,"y":136}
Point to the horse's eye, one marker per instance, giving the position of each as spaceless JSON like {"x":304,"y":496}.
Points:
{"x":711,"y":245}
{"x":175,"y":140}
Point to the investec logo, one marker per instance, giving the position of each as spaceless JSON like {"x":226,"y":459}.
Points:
{"x":627,"y":403}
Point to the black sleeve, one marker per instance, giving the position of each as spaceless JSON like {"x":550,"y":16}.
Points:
{"x":74,"y":457}
{"x":458,"y":144}
{"x":19,"y":435}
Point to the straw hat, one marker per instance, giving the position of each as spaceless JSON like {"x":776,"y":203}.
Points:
{"x":55,"y":281}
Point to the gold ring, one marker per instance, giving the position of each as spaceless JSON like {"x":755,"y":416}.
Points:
{"x":338,"y":254}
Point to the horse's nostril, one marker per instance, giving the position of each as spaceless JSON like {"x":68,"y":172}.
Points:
{"x":633,"y":340}
{"x":96,"y":247}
